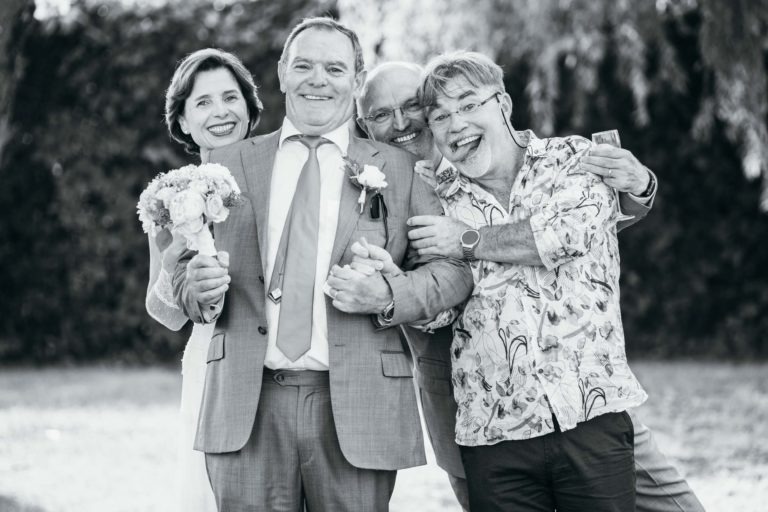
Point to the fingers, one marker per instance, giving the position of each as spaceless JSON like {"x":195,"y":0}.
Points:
{"x":419,"y":233}
{"x":379,"y":253}
{"x":422,"y":243}
{"x":603,"y":172}
{"x":200,"y":261}
{"x":602,"y":161}
{"x":223,"y":258}
{"x":424,"y":220}
{"x":359,"y":250}
{"x":607,"y":151}
{"x":365,"y":268}
{"x":213,"y":295}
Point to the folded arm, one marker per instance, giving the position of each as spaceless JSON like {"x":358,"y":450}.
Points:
{"x":431,"y":283}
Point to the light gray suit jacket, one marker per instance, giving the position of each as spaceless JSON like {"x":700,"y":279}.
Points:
{"x":373,"y":401}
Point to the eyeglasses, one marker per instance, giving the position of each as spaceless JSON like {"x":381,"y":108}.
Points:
{"x":412,"y":109}
{"x":440,"y":118}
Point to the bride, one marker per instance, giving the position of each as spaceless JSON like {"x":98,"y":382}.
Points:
{"x":211,"y":102}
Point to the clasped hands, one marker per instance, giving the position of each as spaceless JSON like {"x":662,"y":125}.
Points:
{"x":359,"y":287}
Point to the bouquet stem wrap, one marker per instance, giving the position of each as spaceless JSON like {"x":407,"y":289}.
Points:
{"x":202,"y":242}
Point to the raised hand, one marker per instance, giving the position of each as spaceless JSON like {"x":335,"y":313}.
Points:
{"x":617,"y":167}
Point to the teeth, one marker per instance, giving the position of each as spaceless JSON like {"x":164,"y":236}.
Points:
{"x":316,"y":98}
{"x":467,"y":140}
{"x":221,"y":128}
{"x":405,"y":138}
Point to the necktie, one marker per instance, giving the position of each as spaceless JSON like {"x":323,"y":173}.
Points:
{"x":293,"y":275}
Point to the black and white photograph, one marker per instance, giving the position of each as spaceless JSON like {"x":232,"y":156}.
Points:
{"x":384,"y":255}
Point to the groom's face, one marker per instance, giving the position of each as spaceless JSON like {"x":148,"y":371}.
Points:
{"x":319,"y":80}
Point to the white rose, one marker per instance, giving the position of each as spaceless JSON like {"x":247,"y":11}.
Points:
{"x":199,"y":186}
{"x":215,"y":210}
{"x":372,"y":177}
{"x":165,"y":195}
{"x":186,"y":209}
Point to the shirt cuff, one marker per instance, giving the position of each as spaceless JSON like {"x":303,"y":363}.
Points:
{"x":547,"y":243}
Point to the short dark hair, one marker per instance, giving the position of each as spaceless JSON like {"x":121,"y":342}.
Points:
{"x":325,"y":23}
{"x":475,"y":67}
{"x":183,"y":81}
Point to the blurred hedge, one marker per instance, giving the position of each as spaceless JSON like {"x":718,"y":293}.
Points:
{"x":89,"y":135}
{"x":88,"y":115}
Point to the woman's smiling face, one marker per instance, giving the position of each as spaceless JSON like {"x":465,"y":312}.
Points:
{"x":215,"y":113}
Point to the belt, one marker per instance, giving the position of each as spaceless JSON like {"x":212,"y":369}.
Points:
{"x":296,"y":377}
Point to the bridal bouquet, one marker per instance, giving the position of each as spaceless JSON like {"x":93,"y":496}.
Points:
{"x":187,"y":201}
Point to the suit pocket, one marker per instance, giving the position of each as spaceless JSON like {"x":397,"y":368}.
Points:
{"x":395,"y":364}
{"x":216,"y":348}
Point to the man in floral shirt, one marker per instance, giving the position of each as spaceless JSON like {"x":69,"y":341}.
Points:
{"x":539,"y":369}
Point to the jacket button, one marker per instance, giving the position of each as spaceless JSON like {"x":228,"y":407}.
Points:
{"x":262,"y":330}
{"x":261,"y":279}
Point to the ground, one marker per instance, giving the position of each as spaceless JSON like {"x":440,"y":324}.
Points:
{"x":103,"y":438}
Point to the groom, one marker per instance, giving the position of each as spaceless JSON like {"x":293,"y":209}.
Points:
{"x":309,"y":399}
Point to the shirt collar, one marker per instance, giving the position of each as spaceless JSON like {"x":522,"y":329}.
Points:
{"x":339,"y":136}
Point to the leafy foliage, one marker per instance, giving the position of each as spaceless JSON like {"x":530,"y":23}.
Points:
{"x":683,"y":80}
{"x":89,"y":114}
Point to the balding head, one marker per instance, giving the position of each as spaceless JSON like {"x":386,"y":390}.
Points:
{"x":389,"y":108}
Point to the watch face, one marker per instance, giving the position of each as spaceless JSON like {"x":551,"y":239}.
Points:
{"x":470,"y":237}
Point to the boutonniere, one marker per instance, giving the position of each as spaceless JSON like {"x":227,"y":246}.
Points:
{"x":367,"y":177}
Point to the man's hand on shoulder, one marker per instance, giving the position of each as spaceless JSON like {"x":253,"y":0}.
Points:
{"x":618,"y":168}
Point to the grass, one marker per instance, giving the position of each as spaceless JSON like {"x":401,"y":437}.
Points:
{"x":104,"y":439}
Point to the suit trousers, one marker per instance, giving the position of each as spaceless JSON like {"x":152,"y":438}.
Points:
{"x":589,"y":468}
{"x":660,"y":487}
{"x":292,"y":461}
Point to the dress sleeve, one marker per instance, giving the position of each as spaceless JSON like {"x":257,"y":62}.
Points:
{"x":160,"y":301}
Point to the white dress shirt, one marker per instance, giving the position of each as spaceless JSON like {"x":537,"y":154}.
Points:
{"x":289,"y":161}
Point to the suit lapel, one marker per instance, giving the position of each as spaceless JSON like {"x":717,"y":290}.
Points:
{"x":258,"y":161}
{"x":362,"y":152}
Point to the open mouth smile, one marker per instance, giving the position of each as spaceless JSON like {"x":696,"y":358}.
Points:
{"x":222,"y":129}
{"x":313,"y":97}
{"x":405,"y":138}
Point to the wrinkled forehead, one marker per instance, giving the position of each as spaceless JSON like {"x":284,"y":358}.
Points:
{"x":391,"y":88}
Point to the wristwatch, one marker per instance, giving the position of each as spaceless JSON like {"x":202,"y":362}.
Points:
{"x":388,"y":312}
{"x":651,"y":188}
{"x":469,"y":240}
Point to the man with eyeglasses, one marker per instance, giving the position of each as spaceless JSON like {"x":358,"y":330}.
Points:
{"x":538,"y":362}
{"x":391,"y":112}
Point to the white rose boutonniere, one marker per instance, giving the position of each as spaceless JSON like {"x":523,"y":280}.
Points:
{"x":367,"y":177}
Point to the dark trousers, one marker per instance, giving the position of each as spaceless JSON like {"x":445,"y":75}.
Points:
{"x":589,"y":468}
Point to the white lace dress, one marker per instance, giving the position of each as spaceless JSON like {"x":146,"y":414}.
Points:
{"x":193,"y":489}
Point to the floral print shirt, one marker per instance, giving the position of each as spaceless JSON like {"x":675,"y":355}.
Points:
{"x":538,"y":341}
